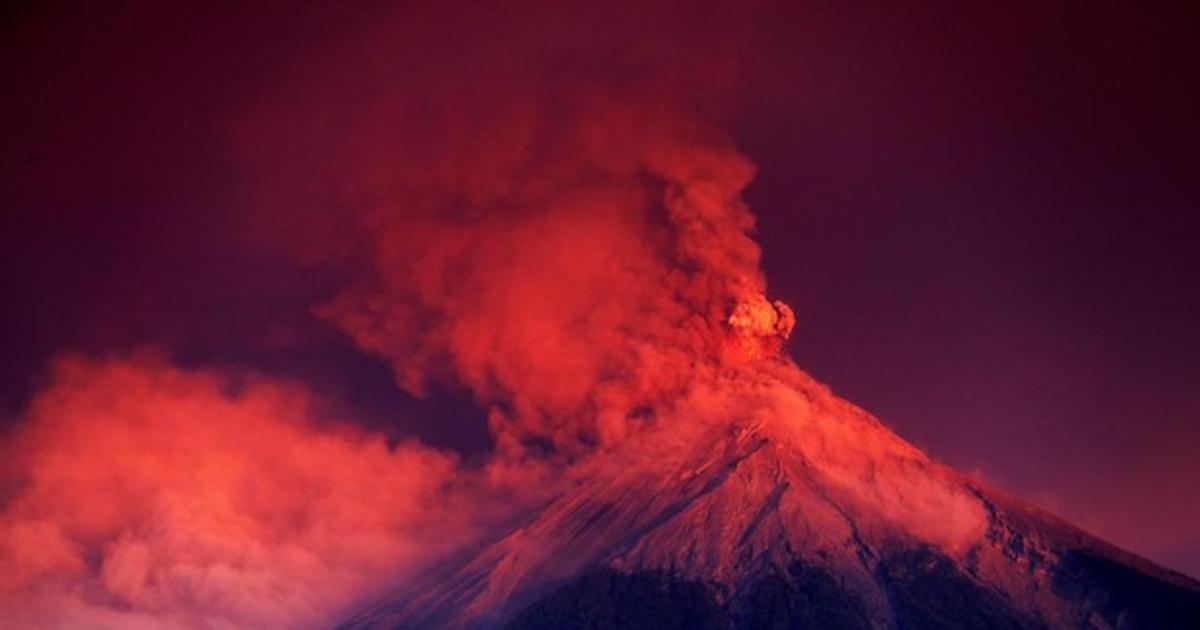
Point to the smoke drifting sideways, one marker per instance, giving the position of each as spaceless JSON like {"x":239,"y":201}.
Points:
{"x":151,"y":496}
{"x":542,"y":209}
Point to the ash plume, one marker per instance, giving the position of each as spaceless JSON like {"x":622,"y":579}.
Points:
{"x":567,"y":242}
{"x":577,"y":292}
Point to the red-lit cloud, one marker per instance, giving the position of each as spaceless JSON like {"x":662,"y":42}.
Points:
{"x":550,"y":216}
{"x":569,"y":244}
{"x":576,"y":273}
{"x":140,"y":494}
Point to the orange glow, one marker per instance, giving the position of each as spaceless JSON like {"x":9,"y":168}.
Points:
{"x":760,"y":327}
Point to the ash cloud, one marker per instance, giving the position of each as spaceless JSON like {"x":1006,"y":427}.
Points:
{"x":574,"y":290}
{"x":536,"y":205}
{"x":540,"y":206}
{"x":550,"y":216}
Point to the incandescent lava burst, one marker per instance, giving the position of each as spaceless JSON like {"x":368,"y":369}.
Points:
{"x":759,"y":327}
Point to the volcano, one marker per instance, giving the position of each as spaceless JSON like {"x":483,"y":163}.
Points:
{"x":772,"y":503}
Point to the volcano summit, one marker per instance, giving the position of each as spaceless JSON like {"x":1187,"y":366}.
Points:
{"x":784,"y":506}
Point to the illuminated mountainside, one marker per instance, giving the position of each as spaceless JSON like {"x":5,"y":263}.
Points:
{"x":780,"y":505}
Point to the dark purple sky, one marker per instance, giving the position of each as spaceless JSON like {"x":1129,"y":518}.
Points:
{"x":986,"y":220}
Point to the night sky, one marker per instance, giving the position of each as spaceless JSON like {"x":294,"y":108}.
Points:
{"x":984,"y":218}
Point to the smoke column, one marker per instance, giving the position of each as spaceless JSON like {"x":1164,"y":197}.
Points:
{"x":542,"y":209}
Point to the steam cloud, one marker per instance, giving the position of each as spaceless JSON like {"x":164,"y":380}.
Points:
{"x":570,"y":244}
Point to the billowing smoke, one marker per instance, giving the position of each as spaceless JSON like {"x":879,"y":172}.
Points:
{"x":146,"y":495}
{"x":561,"y":233}
{"x":552,"y":217}
{"x":574,"y":278}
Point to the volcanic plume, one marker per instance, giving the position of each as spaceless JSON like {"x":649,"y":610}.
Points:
{"x":562,"y":236}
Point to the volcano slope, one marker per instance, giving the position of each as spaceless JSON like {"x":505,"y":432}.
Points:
{"x":761,"y":500}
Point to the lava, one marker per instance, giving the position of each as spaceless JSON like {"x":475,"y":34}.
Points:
{"x":760,"y":327}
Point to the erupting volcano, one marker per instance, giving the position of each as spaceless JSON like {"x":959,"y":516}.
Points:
{"x":456,"y":316}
